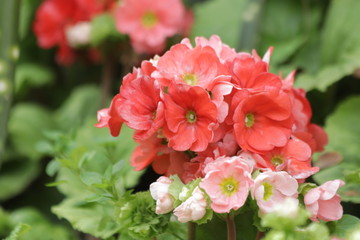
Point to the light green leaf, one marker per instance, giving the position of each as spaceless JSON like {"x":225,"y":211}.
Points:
{"x":339,"y":48}
{"x":344,"y":137}
{"x":16,"y":176}
{"x":208,"y":15}
{"x":32,"y":75}
{"x":103,"y":28}
{"x":19,"y":230}
{"x":86,"y":217}
{"x":27,"y":124}
{"x":81,"y":104}
{"x":345,"y":225}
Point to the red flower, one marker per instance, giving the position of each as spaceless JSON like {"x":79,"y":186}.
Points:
{"x":263,"y":122}
{"x":190,"y":118}
{"x":142,"y":108}
{"x":109,"y":117}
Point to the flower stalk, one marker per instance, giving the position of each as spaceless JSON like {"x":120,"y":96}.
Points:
{"x":191,"y":231}
{"x":231,"y":229}
{"x":9,"y":52}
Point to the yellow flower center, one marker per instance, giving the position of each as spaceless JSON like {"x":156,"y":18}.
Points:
{"x":191,"y":116}
{"x":149,"y":19}
{"x":249,"y":120}
{"x":268,"y":190}
{"x":229,"y":186}
{"x":190,"y":79}
{"x":277,"y":160}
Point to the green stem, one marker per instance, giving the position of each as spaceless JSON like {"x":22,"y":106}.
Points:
{"x":106,"y":79}
{"x":231,"y":230}
{"x":9,"y":51}
{"x":191,"y":231}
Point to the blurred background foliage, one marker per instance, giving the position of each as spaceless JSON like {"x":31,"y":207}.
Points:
{"x":57,"y":162}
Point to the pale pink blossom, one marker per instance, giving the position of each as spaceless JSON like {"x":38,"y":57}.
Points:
{"x":227,"y":182}
{"x":193,"y":209}
{"x":149,"y":22}
{"x":271,"y":188}
{"x":159,"y":190}
{"x":323,"y":202}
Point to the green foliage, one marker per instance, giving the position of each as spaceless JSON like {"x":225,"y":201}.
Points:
{"x":18,"y":231}
{"x":207,"y":22}
{"x":344,"y":137}
{"x":93,"y":171}
{"x":336,"y":62}
{"x":29,"y":75}
{"x":346,"y":225}
{"x":29,"y":224}
{"x":26,"y":128}
{"x":83,"y":102}
{"x":137,"y":218}
{"x":287,"y":26}
{"x":89,"y":217}
{"x":103,"y":28}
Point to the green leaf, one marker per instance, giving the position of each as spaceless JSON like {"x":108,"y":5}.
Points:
{"x":86,"y":217}
{"x":287,"y":26}
{"x":41,"y":228}
{"x":103,"y":28}
{"x":19,"y":230}
{"x":16,"y":175}
{"x":208,"y":15}
{"x":339,"y":48}
{"x":344,"y":137}
{"x":27,"y":124}
{"x":81,"y":104}
{"x":32,"y":75}
{"x":345,"y":225}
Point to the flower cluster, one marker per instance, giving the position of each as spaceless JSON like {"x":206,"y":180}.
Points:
{"x":67,"y":24}
{"x":208,"y":112}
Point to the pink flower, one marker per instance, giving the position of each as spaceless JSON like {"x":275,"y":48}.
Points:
{"x":190,"y":116}
{"x":193,"y":209}
{"x":227,"y":182}
{"x":159,"y":190}
{"x":271,"y":188}
{"x":323,"y":202}
{"x":149,"y":22}
{"x":223,"y":51}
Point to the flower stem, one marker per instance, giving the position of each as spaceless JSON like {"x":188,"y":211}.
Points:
{"x":259,"y":235}
{"x":191,"y":231}
{"x":106,"y":78}
{"x":231,"y":230}
{"x":9,"y":52}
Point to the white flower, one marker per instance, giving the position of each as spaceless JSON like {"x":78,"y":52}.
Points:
{"x":159,"y":190}
{"x":288,"y":208}
{"x":193,"y":209}
{"x":79,"y":34}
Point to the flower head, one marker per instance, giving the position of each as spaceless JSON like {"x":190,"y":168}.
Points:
{"x":160,"y":192}
{"x":271,"y":188}
{"x":227,"y":182}
{"x":323,"y":202}
{"x":149,"y":22}
{"x":193,"y":209}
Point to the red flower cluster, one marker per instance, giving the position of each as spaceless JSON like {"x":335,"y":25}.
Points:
{"x":55,"y":19}
{"x":196,"y":103}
